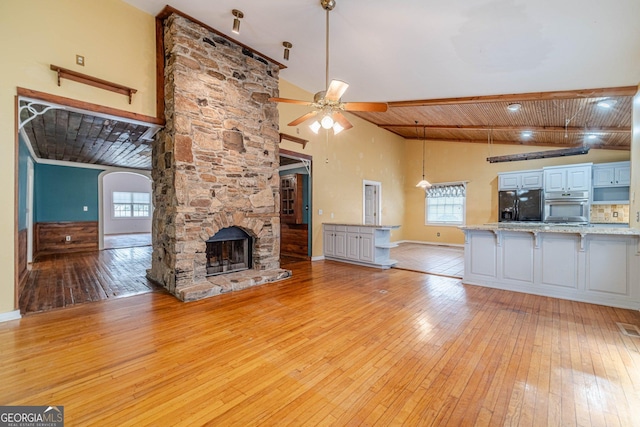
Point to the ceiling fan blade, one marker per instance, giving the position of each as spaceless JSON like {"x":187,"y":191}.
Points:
{"x":301,"y":119}
{"x":340,"y":118}
{"x":378,"y":107}
{"x":335,"y":90}
{"x":290,"y":101}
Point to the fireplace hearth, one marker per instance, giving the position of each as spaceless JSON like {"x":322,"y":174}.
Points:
{"x":228,"y":250}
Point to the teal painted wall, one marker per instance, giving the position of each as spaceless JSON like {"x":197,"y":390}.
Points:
{"x":23,"y":156}
{"x":61,"y":192}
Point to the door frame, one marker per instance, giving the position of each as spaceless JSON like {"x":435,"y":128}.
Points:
{"x":378,"y":200}
{"x":309,"y":159}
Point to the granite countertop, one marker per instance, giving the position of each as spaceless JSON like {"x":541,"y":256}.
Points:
{"x":553,"y":228}
{"x":361,"y":225}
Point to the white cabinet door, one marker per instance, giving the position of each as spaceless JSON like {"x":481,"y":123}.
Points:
{"x":353,"y":246}
{"x":520,"y":180}
{"x":623,"y":175}
{"x":603,"y":176}
{"x":508,"y":181}
{"x":340,"y":244}
{"x":579,"y":178}
{"x":571,"y":178}
{"x":367,"y":247}
{"x":531,"y":180}
{"x":328,"y":242}
{"x":554,"y":180}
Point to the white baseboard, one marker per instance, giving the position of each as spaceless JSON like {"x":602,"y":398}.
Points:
{"x":455,"y":245}
{"x":317,"y":258}
{"x":10,"y":315}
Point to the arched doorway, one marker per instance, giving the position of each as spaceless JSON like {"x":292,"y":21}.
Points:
{"x":125,"y":209}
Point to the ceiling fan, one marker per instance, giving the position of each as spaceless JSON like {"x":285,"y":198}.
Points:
{"x":327,"y":104}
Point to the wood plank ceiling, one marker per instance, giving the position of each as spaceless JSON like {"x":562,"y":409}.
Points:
{"x":82,"y":137}
{"x":557,"y":119}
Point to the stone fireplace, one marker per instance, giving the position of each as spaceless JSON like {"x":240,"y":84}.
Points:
{"x":215,"y":167}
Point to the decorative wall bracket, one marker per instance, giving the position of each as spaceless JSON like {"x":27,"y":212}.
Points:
{"x":30,"y":108}
{"x":498,"y":236}
{"x":536,"y":242}
{"x":93,"y":81}
{"x":582,"y":237}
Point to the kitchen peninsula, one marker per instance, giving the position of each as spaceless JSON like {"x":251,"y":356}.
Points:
{"x":599,"y":265}
{"x":361,"y":244}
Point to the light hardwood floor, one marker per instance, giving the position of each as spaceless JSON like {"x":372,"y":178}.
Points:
{"x":445,"y":261}
{"x":334,"y":345}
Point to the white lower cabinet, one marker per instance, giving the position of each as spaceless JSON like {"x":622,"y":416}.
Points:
{"x":593,"y":267}
{"x":363,"y":245}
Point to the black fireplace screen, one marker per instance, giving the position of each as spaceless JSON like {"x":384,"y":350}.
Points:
{"x":228,"y":250}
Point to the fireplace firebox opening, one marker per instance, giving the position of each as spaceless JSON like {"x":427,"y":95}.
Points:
{"x":229,"y":250}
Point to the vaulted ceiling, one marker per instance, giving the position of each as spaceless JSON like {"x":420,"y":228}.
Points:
{"x":452,"y":66}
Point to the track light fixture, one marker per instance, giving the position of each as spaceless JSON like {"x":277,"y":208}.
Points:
{"x":287,"y":46}
{"x":236,"y":21}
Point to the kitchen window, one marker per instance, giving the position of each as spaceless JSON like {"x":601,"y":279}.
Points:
{"x":131,"y":205}
{"x":445,"y":204}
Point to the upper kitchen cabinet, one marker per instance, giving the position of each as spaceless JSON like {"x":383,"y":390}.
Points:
{"x":616,"y":174}
{"x":521,"y":180}
{"x":568,"y":178}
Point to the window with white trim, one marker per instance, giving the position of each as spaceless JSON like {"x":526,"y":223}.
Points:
{"x":445,"y":204}
{"x":131,"y":205}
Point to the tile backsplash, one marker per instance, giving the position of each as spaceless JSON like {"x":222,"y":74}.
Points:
{"x":610,"y":214}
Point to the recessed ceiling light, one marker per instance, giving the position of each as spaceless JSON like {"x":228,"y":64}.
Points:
{"x":527,"y":134}
{"x":592,"y":136}
{"x":514,"y":107}
{"x":607,"y":103}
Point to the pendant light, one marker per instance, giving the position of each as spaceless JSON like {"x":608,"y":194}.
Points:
{"x":424,"y":184}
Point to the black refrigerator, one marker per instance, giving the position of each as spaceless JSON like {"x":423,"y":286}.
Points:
{"x":520,"y":205}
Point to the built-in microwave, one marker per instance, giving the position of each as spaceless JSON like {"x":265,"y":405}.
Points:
{"x":567,"y":207}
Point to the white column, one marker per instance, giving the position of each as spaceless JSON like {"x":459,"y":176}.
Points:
{"x":634,"y":195}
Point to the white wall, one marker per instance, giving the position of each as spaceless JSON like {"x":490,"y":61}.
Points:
{"x":123,"y":181}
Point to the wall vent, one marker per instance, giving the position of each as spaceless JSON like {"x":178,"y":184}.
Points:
{"x":629,"y":330}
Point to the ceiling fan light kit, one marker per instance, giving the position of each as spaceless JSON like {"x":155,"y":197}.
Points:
{"x":236,"y":21}
{"x":328,"y":104}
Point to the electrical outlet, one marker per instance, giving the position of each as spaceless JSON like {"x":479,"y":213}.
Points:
{"x":438,"y":234}
{"x":80,"y":60}
{"x":615,"y":214}
{"x":85,"y":208}
{"x":67,"y":239}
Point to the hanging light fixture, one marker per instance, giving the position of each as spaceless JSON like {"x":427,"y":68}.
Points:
{"x":287,"y":46}
{"x":424,"y":184}
{"x":236,"y":21}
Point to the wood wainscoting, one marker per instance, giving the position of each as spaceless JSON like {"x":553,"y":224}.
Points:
{"x":294,"y":240}
{"x":50,"y":237}
{"x":22,"y":257}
